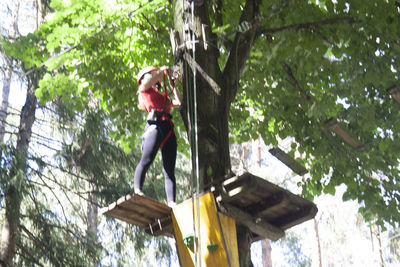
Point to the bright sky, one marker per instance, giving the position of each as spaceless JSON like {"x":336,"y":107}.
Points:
{"x":25,"y":25}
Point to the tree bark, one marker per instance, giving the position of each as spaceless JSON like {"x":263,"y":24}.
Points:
{"x":318,"y":242}
{"x":266,"y":253}
{"x":4,"y":104}
{"x":216,"y":90}
{"x":213,"y":104}
{"x":15,"y":191}
{"x":8,"y":76}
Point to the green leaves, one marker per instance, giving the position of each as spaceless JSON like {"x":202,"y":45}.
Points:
{"x":341,"y":57}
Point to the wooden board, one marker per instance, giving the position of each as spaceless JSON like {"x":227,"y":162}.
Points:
{"x":336,"y":127}
{"x":151,"y":215}
{"x":265,"y":208}
{"x":288,"y":161}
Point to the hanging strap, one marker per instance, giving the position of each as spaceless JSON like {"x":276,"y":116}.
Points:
{"x":166,"y":138}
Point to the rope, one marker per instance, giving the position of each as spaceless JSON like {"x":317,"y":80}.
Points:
{"x":191,"y":97}
{"x":196,"y":142}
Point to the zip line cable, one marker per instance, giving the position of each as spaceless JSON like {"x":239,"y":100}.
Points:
{"x":127,"y":15}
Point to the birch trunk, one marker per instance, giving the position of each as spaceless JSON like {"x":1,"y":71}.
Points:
{"x":4,"y":104}
{"x":8,"y":77}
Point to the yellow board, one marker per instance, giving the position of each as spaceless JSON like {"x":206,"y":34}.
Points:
{"x":215,"y":234}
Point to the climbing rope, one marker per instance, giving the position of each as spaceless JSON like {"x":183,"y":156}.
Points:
{"x":191,"y":94}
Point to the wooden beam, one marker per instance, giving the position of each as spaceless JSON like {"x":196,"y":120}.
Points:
{"x":288,"y":161}
{"x":334,"y":126}
{"x":395,"y":92}
{"x":277,"y":201}
{"x":302,"y":214}
{"x":234,"y":188}
{"x":257,"y":226}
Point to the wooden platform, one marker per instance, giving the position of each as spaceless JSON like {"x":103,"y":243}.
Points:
{"x":265,"y":208}
{"x":153,"y":216}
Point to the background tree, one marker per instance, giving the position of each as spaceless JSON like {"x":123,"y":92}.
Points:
{"x":8,"y":73}
{"x":279,"y":68}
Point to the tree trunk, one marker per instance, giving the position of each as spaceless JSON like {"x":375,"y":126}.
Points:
{"x":92,"y":219}
{"x":15,"y":191}
{"x":265,"y":243}
{"x":4,"y":104}
{"x":215,"y":90}
{"x":8,"y":77}
{"x":318,"y":242}
{"x":266,"y":253}
{"x":382,"y":262}
{"x":92,"y":213}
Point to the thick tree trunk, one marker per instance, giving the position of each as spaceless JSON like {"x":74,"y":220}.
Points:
{"x":14,"y":193}
{"x":216,"y":90}
{"x":244,"y":243}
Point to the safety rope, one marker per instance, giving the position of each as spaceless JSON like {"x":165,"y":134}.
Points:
{"x":191,"y":98}
{"x":196,"y":141}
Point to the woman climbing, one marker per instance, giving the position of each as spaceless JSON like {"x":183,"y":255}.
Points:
{"x":159,"y":129}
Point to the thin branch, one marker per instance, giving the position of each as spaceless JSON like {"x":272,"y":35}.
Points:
{"x":62,"y":169}
{"x":45,"y":145}
{"x":151,"y":25}
{"x":323,"y":37}
{"x":54,"y":194}
{"x":48,"y":139}
{"x":240,"y":50}
{"x":7,"y":132}
{"x":9,"y":124}
{"x":40,"y":243}
{"x":65,"y":188}
{"x":30,"y":257}
{"x":310,"y":25}
{"x":289,"y":72}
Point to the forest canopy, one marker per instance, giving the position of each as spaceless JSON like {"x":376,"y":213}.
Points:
{"x":312,"y":61}
{"x":322,"y":73}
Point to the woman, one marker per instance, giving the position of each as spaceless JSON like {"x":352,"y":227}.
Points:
{"x":159,"y":130}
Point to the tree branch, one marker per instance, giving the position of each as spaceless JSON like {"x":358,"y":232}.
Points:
{"x":309,"y":25}
{"x":295,"y":83}
{"x":240,"y":50}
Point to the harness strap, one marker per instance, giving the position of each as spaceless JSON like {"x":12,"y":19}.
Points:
{"x":158,"y":128}
{"x":166,"y":138}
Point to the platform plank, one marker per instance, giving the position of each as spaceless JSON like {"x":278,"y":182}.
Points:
{"x":265,"y":208}
{"x":151,"y":215}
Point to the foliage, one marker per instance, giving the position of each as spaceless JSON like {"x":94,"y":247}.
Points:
{"x":294,"y":253}
{"x":345,"y":68}
{"x":312,"y":61}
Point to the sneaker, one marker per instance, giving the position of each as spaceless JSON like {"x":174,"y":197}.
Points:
{"x":138,"y":192}
{"x":171,"y":204}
